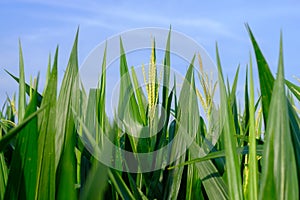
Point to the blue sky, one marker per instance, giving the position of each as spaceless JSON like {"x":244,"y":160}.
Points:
{"x":41,"y":25}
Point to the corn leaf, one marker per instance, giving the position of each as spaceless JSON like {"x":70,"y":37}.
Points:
{"x":266,"y":86}
{"x":65,"y":129}
{"x":279,"y":173}
{"x":294,"y":89}
{"x":141,"y":99}
{"x":22,"y":97}
{"x":21,"y":181}
{"x":232,"y":162}
{"x":215,"y":187}
{"x":28,"y":88}
{"x":253,"y":169}
{"x":3,"y":172}
{"x":167,"y":64}
{"x":219,"y":154}
{"x":266,"y":78}
{"x":45,"y":188}
{"x":6,"y":139}
{"x":119,"y":185}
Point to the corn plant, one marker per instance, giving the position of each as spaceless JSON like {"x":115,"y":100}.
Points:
{"x":50,"y":141}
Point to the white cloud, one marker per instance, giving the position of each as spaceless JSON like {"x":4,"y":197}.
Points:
{"x":124,"y":15}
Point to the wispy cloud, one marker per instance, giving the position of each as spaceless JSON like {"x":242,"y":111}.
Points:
{"x":117,"y":17}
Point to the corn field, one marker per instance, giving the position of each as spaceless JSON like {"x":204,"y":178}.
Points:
{"x":48,"y":149}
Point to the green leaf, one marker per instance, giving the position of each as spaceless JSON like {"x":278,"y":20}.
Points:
{"x":219,"y":154}
{"x":65,"y":129}
{"x":279,"y":173}
{"x":3,"y":175}
{"x":120,"y":185}
{"x":233,"y":102}
{"x":64,"y":100}
{"x":21,"y":181}
{"x":266,"y":78}
{"x":100,"y":95}
{"x":253,"y":169}
{"x":234,"y":86}
{"x":214,"y":185}
{"x":6,"y":139}
{"x":128,"y":109}
{"x":266,"y":85}
{"x":295,"y":130}
{"x":141,"y":99}
{"x":166,"y":80}
{"x":186,"y":120}
{"x":232,"y":162}
{"x":126,"y":90}
{"x":22,"y":97}
{"x":45,"y":188}
{"x":246,"y":97}
{"x":96,"y":182}
{"x":28,"y":88}
{"x":294,"y":89}
{"x":48,"y":74}
{"x":3,"y":172}
{"x":94,"y":185}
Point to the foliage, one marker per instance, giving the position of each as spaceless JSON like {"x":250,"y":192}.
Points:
{"x":42,"y":156}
